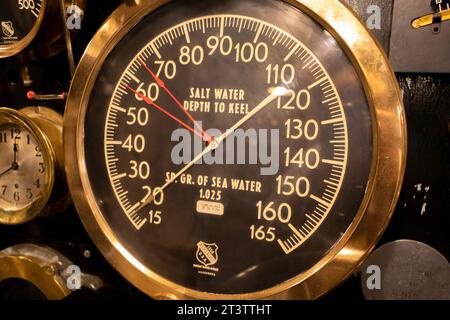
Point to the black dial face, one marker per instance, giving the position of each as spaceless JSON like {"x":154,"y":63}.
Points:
{"x":17,"y":19}
{"x":228,"y":144}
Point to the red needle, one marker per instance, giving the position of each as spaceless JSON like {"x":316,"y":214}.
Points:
{"x":150,"y":102}
{"x":161,"y":83}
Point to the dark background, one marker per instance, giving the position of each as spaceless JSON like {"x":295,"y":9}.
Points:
{"x":426,"y":100}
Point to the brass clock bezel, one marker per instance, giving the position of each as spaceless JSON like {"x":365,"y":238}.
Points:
{"x":11,"y":217}
{"x":51,"y":123}
{"x":388,"y":165}
{"x":9,"y":50}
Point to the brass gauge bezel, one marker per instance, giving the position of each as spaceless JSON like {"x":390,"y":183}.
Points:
{"x":10,"y":116}
{"x":388,"y":165}
{"x":13,"y":48}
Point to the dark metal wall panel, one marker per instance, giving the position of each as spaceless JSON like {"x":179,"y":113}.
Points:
{"x":423,"y":211}
{"x":362,"y":8}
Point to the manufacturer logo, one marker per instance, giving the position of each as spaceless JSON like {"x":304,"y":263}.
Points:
{"x":7,"y":28}
{"x":207,"y":256}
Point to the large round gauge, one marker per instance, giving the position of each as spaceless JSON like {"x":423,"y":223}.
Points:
{"x":20,"y":21}
{"x":234,"y":149}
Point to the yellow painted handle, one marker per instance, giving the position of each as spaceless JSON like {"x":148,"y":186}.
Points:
{"x":428,"y":19}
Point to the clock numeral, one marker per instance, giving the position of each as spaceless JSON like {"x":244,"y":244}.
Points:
{"x":4,"y":190}
{"x":15,"y":134}
{"x":38,"y":151}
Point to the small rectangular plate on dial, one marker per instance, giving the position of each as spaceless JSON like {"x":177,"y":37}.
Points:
{"x":210,"y":207}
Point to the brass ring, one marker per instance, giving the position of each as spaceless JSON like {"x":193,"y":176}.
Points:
{"x":37,"y":265}
{"x":388,"y":165}
{"x":8,"y":50}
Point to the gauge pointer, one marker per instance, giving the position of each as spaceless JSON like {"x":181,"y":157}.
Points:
{"x":215,"y":142}
{"x":211,"y":146}
{"x":167,"y":113}
{"x":162,"y":85}
{"x":274,"y":93}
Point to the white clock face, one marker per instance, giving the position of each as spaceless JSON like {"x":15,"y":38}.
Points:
{"x":22,"y":168}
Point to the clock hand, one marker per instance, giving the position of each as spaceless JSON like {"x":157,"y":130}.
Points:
{"x":215,"y":142}
{"x":14,"y":165}
{"x":15,"y":152}
{"x":6,"y":171}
